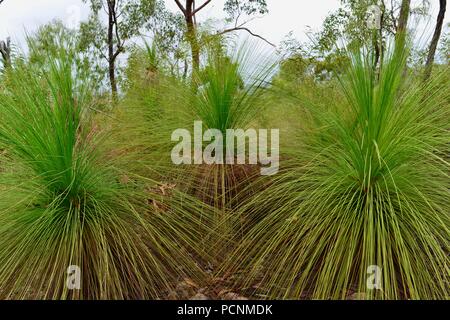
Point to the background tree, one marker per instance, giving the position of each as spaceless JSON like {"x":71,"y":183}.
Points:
{"x":435,"y":39}
{"x":299,"y":64}
{"x":189,"y":12}
{"x":125,"y":20}
{"x":238,"y":10}
{"x":404,"y":15}
{"x":166,"y":29}
{"x":235,"y":10}
{"x":5,"y":51}
{"x":444,"y":46}
{"x":348,"y":24}
{"x":51,"y":38}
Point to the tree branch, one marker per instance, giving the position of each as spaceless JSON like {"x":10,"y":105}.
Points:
{"x":100,"y":51}
{"x":249,"y":31}
{"x":104,"y":7}
{"x":180,"y":6}
{"x":193,"y":12}
{"x":116,"y":54}
{"x":201,"y":7}
{"x":120,"y":43}
{"x":102,"y":54}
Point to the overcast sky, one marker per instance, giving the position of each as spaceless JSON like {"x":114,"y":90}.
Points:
{"x":284,"y":16}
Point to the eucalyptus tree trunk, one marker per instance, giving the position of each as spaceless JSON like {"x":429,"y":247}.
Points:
{"x":404,"y":15}
{"x":111,"y":54}
{"x":435,"y":39}
{"x":192,"y":35}
{"x":5,"y":50}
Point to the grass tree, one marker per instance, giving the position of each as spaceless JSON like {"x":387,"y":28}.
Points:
{"x":63,"y":204}
{"x":364,"y":192}
{"x":229,"y":97}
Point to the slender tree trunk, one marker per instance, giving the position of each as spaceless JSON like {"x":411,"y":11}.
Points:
{"x":380,"y":34}
{"x":435,"y":39}
{"x":377,"y":42}
{"x":111,"y":55}
{"x":404,"y":15}
{"x":401,"y":32}
{"x":376,"y":47}
{"x":192,"y":35}
{"x":185,"y":69}
{"x":5,"y":50}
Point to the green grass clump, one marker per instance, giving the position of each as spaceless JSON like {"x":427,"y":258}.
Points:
{"x":229,"y":95}
{"x":63,"y":201}
{"x":365,"y":183}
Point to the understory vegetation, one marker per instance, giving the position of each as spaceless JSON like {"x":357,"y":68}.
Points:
{"x":87,"y":178}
